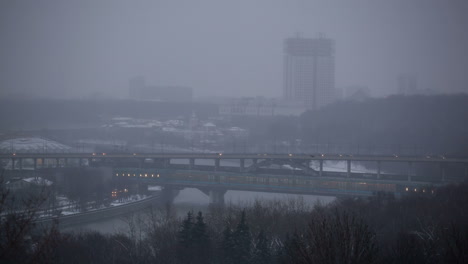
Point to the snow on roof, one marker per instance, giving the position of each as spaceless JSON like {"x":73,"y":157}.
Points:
{"x":209,"y":124}
{"x":174,"y":122}
{"x":137,"y":126}
{"x":168,"y":129}
{"x":121,"y":118}
{"x":155,"y":123}
{"x":32,"y":144}
{"x":101,"y":142}
{"x":236,"y":129}
{"x":121,"y":123}
{"x":38,"y":181}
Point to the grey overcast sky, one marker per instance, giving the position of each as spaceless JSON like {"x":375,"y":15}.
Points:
{"x":83,"y":48}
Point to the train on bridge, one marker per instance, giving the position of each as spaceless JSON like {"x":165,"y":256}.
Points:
{"x":298,"y":184}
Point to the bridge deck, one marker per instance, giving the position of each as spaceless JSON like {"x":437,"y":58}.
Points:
{"x":232,"y":156}
{"x":298,"y":184}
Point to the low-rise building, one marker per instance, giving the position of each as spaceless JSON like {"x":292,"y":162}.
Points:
{"x":24,"y":183}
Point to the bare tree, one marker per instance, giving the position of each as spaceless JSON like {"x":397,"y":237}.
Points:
{"x":21,"y":240}
{"x":336,"y":237}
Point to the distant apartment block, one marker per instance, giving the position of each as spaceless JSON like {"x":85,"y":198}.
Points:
{"x":138,"y":90}
{"x":258,"y":106}
{"x":309,"y":71}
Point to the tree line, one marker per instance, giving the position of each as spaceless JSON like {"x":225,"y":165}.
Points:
{"x":431,"y":124}
{"x":418,"y":228}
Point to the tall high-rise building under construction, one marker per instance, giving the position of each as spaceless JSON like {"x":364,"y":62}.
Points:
{"x":309,"y":71}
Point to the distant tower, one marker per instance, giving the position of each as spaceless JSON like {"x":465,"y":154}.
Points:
{"x":407,"y":84}
{"x":309,"y":71}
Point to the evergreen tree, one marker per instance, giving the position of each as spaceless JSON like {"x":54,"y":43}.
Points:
{"x":262,"y":253}
{"x":295,"y":250}
{"x":201,"y":241}
{"x":227,"y":244}
{"x":185,"y":240}
{"x":200,"y":232}
{"x":242,"y":241}
{"x":193,"y":241}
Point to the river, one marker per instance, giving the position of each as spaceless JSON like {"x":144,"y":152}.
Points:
{"x":193,"y":199}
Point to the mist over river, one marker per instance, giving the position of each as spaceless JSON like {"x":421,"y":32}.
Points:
{"x":193,"y":199}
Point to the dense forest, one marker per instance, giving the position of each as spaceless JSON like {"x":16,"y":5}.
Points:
{"x":431,"y":124}
{"x":419,"y":228}
{"x":403,"y":125}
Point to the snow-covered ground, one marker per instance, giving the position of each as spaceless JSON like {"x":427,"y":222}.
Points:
{"x":69,"y":207}
{"x":32,"y":145}
{"x":38,"y":181}
{"x":208,"y":162}
{"x":341,"y":166}
{"x":169,"y":149}
{"x":129,"y":199}
{"x":153,"y":188}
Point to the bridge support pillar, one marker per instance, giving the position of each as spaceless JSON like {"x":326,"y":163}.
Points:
{"x":254,"y":164}
{"x":242,"y":165}
{"x":191,"y":164}
{"x":442,"y":171}
{"x":20,"y":163}
{"x":35,"y":163}
{"x":410,"y":167}
{"x":378,"y":169}
{"x":348,"y":168}
{"x":57,"y":162}
{"x":216,"y":197}
{"x":307,"y":167}
{"x":65,"y":162}
{"x":82,"y":162}
{"x":166,"y":163}
{"x":217,"y":161}
{"x":13,"y":164}
{"x":168,"y":195}
{"x":321,"y":168}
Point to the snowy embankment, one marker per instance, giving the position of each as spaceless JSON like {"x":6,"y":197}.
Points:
{"x":69,"y":207}
{"x":90,"y":216}
{"x":341,"y":166}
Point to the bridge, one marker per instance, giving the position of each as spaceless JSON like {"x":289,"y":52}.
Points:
{"x":216,"y":184}
{"x":41,"y":160}
{"x":214,"y":180}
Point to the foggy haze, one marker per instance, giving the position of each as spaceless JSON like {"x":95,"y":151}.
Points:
{"x":242,"y":131}
{"x":63,"y":49}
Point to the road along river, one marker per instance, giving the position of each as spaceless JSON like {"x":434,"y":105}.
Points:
{"x":118,"y":219}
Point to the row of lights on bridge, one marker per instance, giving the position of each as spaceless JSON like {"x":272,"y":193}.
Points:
{"x":408,"y":189}
{"x":146,"y":175}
